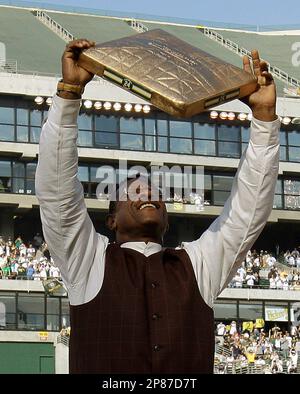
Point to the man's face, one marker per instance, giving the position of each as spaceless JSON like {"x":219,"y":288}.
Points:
{"x":140,"y":213}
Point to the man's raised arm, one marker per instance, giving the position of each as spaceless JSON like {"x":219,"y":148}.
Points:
{"x":220,"y":250}
{"x":68,"y":229}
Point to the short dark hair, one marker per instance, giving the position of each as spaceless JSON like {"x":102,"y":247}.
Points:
{"x":125,"y":184}
{"x":113,"y":204}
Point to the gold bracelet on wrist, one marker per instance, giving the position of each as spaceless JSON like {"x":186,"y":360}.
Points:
{"x":71,"y":88}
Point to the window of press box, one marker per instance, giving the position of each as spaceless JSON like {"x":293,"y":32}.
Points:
{"x":282,"y":153}
{"x":150,"y":143}
{"x":131,"y":142}
{"x":277,"y":203}
{"x":292,"y":194}
{"x":5,"y":169}
{"x":228,"y":133}
{"x":283,"y":137}
{"x":250,"y":310}
{"x":83,"y":173}
{"x":294,"y":137}
{"x":225,"y":310}
{"x":222,"y":182}
{"x":53,"y":314}
{"x":31,"y":311}
{"x":162,"y":144}
{"x":106,"y":140}
{"x":204,"y":131}
{"x":106,"y":123}
{"x":180,"y":129}
{"x":85,"y":121}
{"x":291,"y":186}
{"x":85,"y":138}
{"x":221,"y":188}
{"x":22,"y":133}
{"x":229,"y":149}
{"x":131,"y":125}
{"x":150,"y":126}
{"x":245,"y":134}
{"x":7,"y":311}
{"x":294,"y":153}
{"x":35,"y":133}
{"x":283,"y":145}
{"x":181,"y":145}
{"x":36,"y":118}
{"x":22,"y":116}
{"x":205,"y":148}
{"x":7,"y":115}
{"x":65,"y":312}
{"x":7,"y":132}
{"x":162,"y":127}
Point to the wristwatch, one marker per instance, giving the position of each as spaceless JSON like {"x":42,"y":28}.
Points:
{"x":68,"y":87}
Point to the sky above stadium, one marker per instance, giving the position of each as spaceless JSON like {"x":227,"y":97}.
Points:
{"x":254,"y":12}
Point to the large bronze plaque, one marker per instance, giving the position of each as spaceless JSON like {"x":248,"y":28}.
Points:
{"x":173,"y":75}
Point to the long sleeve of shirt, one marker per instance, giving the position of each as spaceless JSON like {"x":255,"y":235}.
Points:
{"x":217,"y":254}
{"x":74,"y":245}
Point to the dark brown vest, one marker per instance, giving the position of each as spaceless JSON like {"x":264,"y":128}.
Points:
{"x":148,"y":317}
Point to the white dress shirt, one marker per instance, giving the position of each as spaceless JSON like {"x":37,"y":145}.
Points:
{"x":79,"y":251}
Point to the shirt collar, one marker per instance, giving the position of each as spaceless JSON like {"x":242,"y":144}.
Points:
{"x":147,"y":249}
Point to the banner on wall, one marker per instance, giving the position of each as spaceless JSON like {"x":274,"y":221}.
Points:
{"x":276,"y":313}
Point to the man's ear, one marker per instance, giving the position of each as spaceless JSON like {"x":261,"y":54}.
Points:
{"x":110,"y":222}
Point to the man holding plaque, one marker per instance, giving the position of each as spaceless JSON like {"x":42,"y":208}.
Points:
{"x":135,"y":306}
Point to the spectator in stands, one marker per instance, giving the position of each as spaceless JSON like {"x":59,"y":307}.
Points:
{"x":276,"y":365}
{"x":233,"y":328}
{"x":292,"y":362}
{"x":37,"y":240}
{"x":30,"y":251}
{"x":250,"y":278}
{"x":30,"y":271}
{"x":22,"y":262}
{"x":18,"y":241}
{"x":285,"y":346}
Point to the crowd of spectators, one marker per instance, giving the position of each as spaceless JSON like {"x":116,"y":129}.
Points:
{"x":32,"y":260}
{"x":240,"y":350}
{"x":264,"y":270}
{"x":20,"y":260}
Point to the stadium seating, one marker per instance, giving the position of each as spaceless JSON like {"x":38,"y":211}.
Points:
{"x":20,"y":29}
{"x":275,"y":49}
{"x":95,"y":28}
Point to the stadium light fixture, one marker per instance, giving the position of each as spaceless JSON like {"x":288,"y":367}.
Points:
{"x":107,"y":105}
{"x":223,"y":115}
{"x":286,"y":120}
{"x":146,"y":109}
{"x":128,"y":107}
{"x":88,"y":104}
{"x":117,"y":106}
{"x":214,"y":115}
{"x":39,"y":100}
{"x":296,"y":121}
{"x":98,"y":105}
{"x":231,"y":115}
{"x":242,"y":116}
{"x":138,"y":107}
{"x":49,"y":100}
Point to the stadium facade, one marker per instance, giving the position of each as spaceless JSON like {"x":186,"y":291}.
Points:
{"x":115,"y":125}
